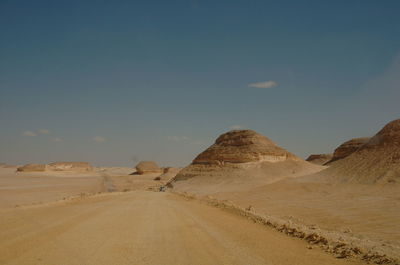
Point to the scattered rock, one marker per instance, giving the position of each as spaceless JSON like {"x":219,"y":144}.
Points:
{"x":249,"y":208}
{"x":315,"y":238}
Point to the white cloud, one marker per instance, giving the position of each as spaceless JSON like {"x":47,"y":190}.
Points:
{"x":44,"y":131}
{"x":56,"y":140}
{"x":29,"y":133}
{"x":236,"y":127}
{"x":177,"y":138}
{"x":265,"y":84}
{"x":99,"y":139}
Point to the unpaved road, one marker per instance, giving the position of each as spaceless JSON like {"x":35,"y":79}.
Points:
{"x":144,"y":228}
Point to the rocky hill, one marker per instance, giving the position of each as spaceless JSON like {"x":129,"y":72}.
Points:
{"x":146,"y":167}
{"x":347,"y":148}
{"x":242,"y":146}
{"x":376,"y":161}
{"x":240,"y":159}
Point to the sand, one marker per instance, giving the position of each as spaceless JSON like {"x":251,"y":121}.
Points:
{"x":351,"y":206}
{"x":367,"y":216}
{"x":142,"y":227}
{"x":112,"y":216}
{"x":29,"y":188}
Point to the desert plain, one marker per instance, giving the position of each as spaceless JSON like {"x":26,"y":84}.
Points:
{"x":243,"y":200}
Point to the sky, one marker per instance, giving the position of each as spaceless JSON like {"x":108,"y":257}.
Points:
{"x":116,"y":82}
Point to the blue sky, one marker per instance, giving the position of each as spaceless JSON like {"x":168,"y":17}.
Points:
{"x":114,"y":82}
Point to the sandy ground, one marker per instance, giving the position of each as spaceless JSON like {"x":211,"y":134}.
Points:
{"x":367,"y":211}
{"x":19,"y":189}
{"x":144,"y":227}
{"x":367,"y":216}
{"x":110,"y":216}
{"x":30,"y":188}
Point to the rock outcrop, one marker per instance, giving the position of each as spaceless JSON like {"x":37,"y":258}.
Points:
{"x":145,"y":167}
{"x":242,"y":146}
{"x":240,"y":159}
{"x":168,"y":174}
{"x":70,"y":166}
{"x":57,"y":166}
{"x":347,"y":148}
{"x":33,"y":168}
{"x":319,"y":159}
{"x":378,"y":160}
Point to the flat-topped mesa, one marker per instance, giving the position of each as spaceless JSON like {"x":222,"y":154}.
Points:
{"x":347,"y":148}
{"x":319,"y":159}
{"x":70,"y":166}
{"x":57,"y":166}
{"x":242,"y":146}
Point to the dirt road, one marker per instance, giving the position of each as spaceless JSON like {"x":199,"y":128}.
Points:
{"x":144,"y":228}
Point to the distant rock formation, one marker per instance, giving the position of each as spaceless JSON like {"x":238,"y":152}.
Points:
{"x":33,"y":168}
{"x":319,"y":159}
{"x":4,"y":165}
{"x":145,"y":167}
{"x":347,"y":148}
{"x":239,"y":159}
{"x":57,"y":166}
{"x":243,"y":146}
{"x":70,"y":166}
{"x":168,"y":174}
{"x":170,"y":170}
{"x":376,"y":161}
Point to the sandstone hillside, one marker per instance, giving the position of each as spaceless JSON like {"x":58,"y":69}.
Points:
{"x":319,"y":159}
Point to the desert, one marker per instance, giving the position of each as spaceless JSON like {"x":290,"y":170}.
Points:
{"x":200,"y":132}
{"x":333,"y":201}
{"x":236,"y":198}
